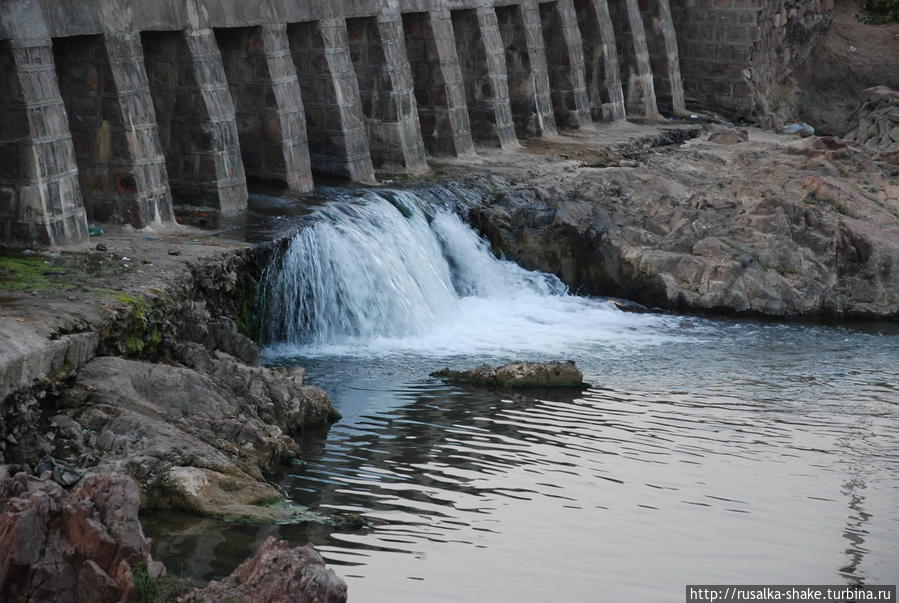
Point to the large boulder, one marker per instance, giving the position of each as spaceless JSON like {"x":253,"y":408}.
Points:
{"x":71,"y":546}
{"x":199,"y":438}
{"x":276,"y":574}
{"x":518,"y":374}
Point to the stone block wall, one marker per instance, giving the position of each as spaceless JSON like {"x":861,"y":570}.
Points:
{"x":40,"y":196}
{"x":335,"y":120}
{"x":786,"y":29}
{"x":737,"y":55}
{"x":594,"y":61}
{"x":561,"y":74}
{"x":160,"y":105}
{"x":258,"y":118}
{"x":197,"y":120}
{"x":655,"y":44}
{"x":386,"y":92}
{"x":716,"y":42}
{"x":476,"y":75}
{"x":430,"y":85}
{"x":521,"y":77}
{"x":113,"y":124}
{"x":438,"y":85}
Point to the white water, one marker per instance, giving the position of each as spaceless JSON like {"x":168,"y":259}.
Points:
{"x":386,"y":273}
{"x":736,"y":452}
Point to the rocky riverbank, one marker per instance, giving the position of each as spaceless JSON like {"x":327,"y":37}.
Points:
{"x":733,"y":221}
{"x":129,"y":379}
{"x":129,"y":369}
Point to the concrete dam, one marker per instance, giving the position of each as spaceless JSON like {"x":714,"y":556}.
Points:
{"x":121,"y":111}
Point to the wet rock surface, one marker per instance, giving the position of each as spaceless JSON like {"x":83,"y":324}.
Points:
{"x":277,"y":573}
{"x":518,"y":374}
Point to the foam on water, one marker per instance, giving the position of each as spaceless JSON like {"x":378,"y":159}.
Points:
{"x":391,"y":273}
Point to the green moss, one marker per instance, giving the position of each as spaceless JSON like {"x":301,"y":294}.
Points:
{"x":148,"y":589}
{"x":56,"y":272}
{"x":138,"y":303}
{"x":27,"y":273}
{"x":134,"y":345}
{"x":878,"y":12}
{"x":247,"y":295}
{"x":139,"y":338}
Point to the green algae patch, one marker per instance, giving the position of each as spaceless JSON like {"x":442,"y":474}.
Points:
{"x":33,"y":273}
{"x":140,"y":337}
{"x":49,"y":272}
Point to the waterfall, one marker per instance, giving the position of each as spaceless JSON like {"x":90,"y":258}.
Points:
{"x":400,"y":271}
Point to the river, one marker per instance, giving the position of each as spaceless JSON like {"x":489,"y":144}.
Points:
{"x":705,"y":451}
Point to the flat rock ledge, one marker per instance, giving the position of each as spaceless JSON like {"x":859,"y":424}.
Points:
{"x":518,"y":374}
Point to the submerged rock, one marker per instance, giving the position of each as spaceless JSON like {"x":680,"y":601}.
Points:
{"x":518,"y":374}
{"x":81,"y":545}
{"x":277,"y":573}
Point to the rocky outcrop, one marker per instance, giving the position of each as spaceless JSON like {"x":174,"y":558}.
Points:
{"x":277,"y":574}
{"x":770,"y":226}
{"x":151,"y":373}
{"x":199,"y":438}
{"x":878,"y":120}
{"x":518,"y":374}
{"x":86,"y":544}
{"x":71,"y":546}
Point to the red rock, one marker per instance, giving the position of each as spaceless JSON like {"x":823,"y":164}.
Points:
{"x":276,"y":574}
{"x":77,"y":546}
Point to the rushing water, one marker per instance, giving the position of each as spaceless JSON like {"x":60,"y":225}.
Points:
{"x":705,"y":452}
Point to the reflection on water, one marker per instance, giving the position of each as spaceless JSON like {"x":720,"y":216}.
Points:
{"x":706,"y":452}
{"x":748,"y":453}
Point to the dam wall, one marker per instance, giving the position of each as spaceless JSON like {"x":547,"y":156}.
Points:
{"x":122,"y":111}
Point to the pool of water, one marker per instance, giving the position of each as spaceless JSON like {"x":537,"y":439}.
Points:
{"x":705,"y":451}
{"x":712,"y":452}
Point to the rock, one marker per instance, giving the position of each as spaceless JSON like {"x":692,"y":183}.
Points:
{"x":729,"y":136}
{"x":60,"y":472}
{"x":101,"y":247}
{"x":773,"y":226}
{"x":223,"y":335}
{"x":875,"y":121}
{"x":82,"y":545}
{"x":801,"y":129}
{"x":198,"y":439}
{"x":276,"y":574}
{"x":518,"y":374}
